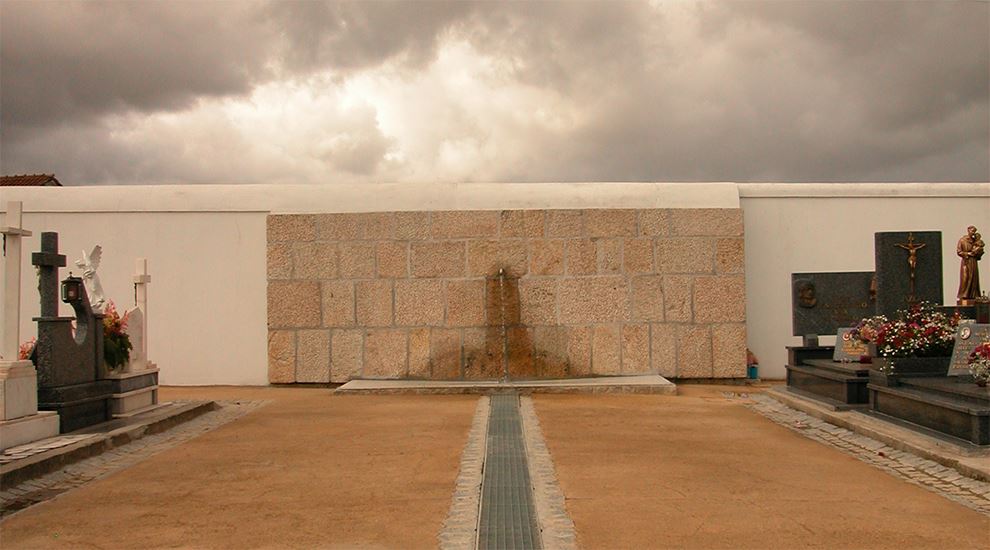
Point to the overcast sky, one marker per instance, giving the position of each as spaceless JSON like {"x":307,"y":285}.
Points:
{"x":285,"y":92}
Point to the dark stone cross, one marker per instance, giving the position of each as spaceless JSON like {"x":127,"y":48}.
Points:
{"x":48,"y":262}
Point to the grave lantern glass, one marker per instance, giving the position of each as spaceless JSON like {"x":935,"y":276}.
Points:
{"x":71,"y":289}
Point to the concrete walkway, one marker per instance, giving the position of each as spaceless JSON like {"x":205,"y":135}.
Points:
{"x":311,"y":469}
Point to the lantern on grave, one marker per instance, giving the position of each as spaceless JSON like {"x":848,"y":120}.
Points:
{"x":982,"y":305}
{"x":72,"y":289}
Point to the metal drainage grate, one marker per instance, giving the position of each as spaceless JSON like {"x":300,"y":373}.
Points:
{"x":508,"y":516}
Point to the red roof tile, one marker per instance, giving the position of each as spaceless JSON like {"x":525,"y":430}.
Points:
{"x":30,"y":179}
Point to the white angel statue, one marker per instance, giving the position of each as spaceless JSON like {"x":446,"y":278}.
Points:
{"x":89,"y":264}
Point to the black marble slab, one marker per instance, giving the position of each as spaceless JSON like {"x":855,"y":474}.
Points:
{"x":822,"y":303}
{"x":797,"y":355}
{"x":894,"y":271}
{"x":946,"y":413}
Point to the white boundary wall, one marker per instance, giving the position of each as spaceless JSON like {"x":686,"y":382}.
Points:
{"x":206,"y":246}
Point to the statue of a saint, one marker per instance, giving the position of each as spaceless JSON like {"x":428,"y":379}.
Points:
{"x":89,"y":264}
{"x":970,"y":250}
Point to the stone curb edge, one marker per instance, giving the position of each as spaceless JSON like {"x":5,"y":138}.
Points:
{"x":17,"y":472}
{"x":842,"y":420}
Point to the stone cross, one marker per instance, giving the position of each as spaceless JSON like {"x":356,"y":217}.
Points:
{"x":141,"y":280}
{"x":12,"y":234}
{"x":48,"y":262}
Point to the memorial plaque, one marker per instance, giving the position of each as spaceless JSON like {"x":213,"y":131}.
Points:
{"x":847,"y":348}
{"x":909,"y":269}
{"x":968,"y":336}
{"x":821,"y":303}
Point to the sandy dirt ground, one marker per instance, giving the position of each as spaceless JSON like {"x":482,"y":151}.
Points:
{"x":701,"y":471}
{"x":306,"y":471}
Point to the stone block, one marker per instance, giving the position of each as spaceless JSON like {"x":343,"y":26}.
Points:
{"x":18,"y":390}
{"x":637,"y":256}
{"x":719,"y":299}
{"x":654,"y":222}
{"x":445,"y":353}
{"x":338,"y":304}
{"x":605,"y":354}
{"x":418,"y":302}
{"x":522,"y":223}
{"x":385,"y":353}
{"x":392,"y":259}
{"x":677,"y":295}
{"x":663,"y":349}
{"x":729,"y":350}
{"x":281,"y":356}
{"x":419,"y":353}
{"x":338,"y":227}
{"x":565,"y":223}
{"x":609,"y":253}
{"x":378,"y":225}
{"x":293,"y":304}
{"x":694,"y":351}
{"x":647,"y":298}
{"x":593,"y":300}
{"x":465,"y":303}
{"x":357,"y":260}
{"x":313,"y":356}
{"x":611,"y":223}
{"x":464,"y":223}
{"x":314,"y":260}
{"x":538,"y":301}
{"x":483,"y":353}
{"x":437,"y":259}
{"x":636,"y":349}
{"x":720,"y":222}
{"x":373,"y":303}
{"x":685,"y":255}
{"x":730,"y":255}
{"x":579,"y":350}
{"x":346,"y":352}
{"x":413,"y":226}
{"x":581,"y":257}
{"x":550,"y":352}
{"x":291,"y":228}
{"x":520,"y":348}
{"x":502,"y":302}
{"x":546,"y":257}
{"x":279,"y":261}
{"x":485,"y":258}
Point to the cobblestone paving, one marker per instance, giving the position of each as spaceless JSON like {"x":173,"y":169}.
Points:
{"x":460,"y":528}
{"x":49,"y":486}
{"x":551,"y":512}
{"x":931,"y":475}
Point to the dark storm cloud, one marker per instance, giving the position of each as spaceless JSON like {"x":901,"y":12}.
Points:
{"x":738,"y":91}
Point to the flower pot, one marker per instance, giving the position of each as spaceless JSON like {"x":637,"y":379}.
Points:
{"x":888,"y":370}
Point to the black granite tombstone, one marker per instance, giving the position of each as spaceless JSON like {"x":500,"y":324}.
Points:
{"x":909,"y":269}
{"x":822,"y":303}
{"x":69,"y":365}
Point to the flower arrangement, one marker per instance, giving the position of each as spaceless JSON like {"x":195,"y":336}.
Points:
{"x":25,"y":349}
{"x":979,"y":363}
{"x":116,"y":343}
{"x":920,"y":331}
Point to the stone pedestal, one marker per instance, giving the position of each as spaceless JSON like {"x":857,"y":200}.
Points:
{"x":134,"y":392}
{"x":20,"y":421}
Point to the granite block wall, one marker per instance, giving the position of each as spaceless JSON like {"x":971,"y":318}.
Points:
{"x":582,"y":293}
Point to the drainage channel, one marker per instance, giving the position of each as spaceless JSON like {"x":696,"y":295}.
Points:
{"x":507,"y":518}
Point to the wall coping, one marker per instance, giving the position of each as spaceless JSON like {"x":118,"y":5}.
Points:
{"x":373,"y":197}
{"x":852,"y":190}
{"x":382,"y":197}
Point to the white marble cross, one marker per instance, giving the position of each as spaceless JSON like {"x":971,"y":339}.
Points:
{"x":138,"y":324}
{"x":12,"y":234}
